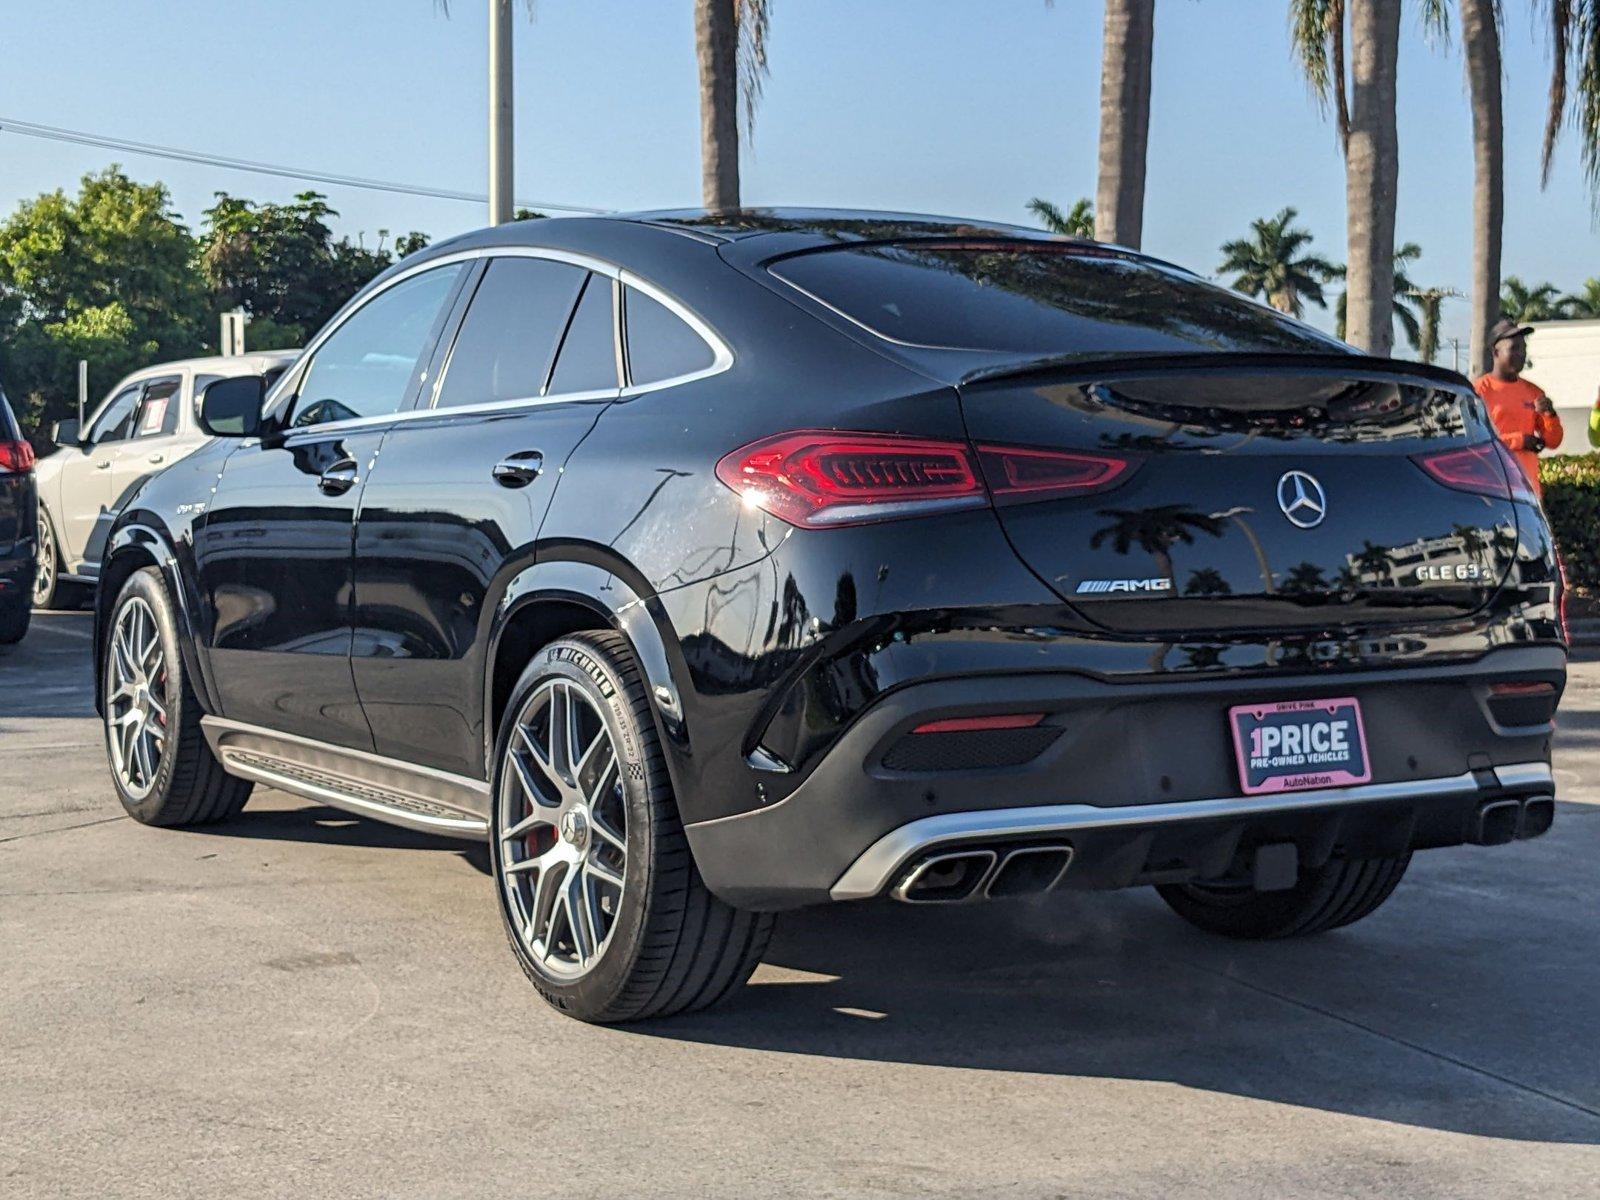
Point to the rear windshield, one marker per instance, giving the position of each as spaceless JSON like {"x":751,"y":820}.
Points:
{"x":1041,"y":299}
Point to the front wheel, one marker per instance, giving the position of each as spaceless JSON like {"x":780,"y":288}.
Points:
{"x":49,"y":589}
{"x":164,"y":771}
{"x":1338,"y":893}
{"x":602,"y":902}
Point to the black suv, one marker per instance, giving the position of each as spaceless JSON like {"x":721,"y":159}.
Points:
{"x":19,"y":515}
{"x":709,"y":565}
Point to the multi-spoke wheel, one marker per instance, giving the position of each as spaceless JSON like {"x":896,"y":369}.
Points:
{"x":164,"y":772}
{"x":602,"y":902}
{"x":564,"y":829}
{"x":49,"y":589}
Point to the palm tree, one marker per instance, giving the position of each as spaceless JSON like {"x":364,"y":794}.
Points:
{"x":1366,"y":123}
{"x":1583,"y":305}
{"x":1078,"y":221}
{"x":1273,"y":264}
{"x":1575,"y":50}
{"x":1429,"y":302}
{"x":731,"y":48}
{"x":1480,"y":40}
{"x":1521,"y":302}
{"x":1405,"y":310}
{"x":1155,"y":531}
{"x":1124,"y":120}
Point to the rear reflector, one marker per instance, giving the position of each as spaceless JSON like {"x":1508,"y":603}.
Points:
{"x":974,"y":724}
{"x":819,"y":479}
{"x":16,"y":457}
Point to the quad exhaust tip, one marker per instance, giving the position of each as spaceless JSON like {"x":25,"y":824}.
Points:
{"x":959,"y":875}
{"x":1502,"y":821}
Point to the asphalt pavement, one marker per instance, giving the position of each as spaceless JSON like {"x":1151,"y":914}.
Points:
{"x":301,"y":1003}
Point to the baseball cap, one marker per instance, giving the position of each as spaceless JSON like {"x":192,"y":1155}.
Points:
{"x":1506,"y":328}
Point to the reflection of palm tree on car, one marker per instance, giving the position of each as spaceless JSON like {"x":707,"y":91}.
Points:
{"x":1374,"y":561}
{"x":1304,"y":579}
{"x":1207,"y":581}
{"x":1154,"y":530}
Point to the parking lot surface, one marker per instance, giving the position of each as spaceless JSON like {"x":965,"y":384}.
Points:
{"x":301,"y":1003}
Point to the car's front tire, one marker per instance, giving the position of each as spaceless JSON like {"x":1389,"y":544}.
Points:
{"x":163,"y":769}
{"x":603,"y":905}
{"x":49,"y":589}
{"x":1338,"y":893}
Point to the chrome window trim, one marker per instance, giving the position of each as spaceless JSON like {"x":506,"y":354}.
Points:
{"x":722,"y":355}
{"x":875,"y":868}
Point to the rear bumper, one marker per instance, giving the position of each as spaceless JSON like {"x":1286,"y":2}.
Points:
{"x":17,"y":567}
{"x":1138,"y":779}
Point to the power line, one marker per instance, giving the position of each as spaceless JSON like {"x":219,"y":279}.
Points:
{"x":78,"y":137}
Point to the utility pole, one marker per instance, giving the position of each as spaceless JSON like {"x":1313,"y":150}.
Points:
{"x":500,"y":129}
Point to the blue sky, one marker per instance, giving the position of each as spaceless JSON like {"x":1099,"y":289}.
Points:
{"x":956,"y":106}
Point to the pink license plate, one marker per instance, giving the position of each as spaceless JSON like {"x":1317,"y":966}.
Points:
{"x":1295,"y":745}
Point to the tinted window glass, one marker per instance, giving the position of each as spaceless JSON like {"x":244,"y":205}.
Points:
{"x":661,"y":345}
{"x":510,"y":333}
{"x":115,"y":421}
{"x":588,"y":358}
{"x":1038,"y":301}
{"x":158,"y":414}
{"x":367,"y":366}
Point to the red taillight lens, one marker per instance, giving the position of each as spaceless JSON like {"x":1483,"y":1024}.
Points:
{"x":981,"y":724}
{"x":1014,"y":473}
{"x":16,"y":457}
{"x":818,"y":479}
{"x":1486,"y":469}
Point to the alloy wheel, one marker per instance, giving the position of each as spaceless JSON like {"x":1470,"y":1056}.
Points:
{"x":44,"y":575}
{"x":136,"y":697}
{"x":562,"y":830}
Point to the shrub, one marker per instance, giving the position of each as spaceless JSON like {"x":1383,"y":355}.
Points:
{"x":1571,"y":485}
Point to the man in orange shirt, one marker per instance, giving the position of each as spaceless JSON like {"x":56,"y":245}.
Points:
{"x":1522,"y":414}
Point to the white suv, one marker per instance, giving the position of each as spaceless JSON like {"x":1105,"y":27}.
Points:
{"x":146,"y":422}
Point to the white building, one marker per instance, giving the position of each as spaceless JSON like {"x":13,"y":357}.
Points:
{"x":1564,"y":360}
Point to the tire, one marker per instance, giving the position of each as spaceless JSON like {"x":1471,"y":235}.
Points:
{"x":1336,"y":894}
{"x":14,"y":618}
{"x":49,"y":589}
{"x":169,"y":777}
{"x":660,"y":943}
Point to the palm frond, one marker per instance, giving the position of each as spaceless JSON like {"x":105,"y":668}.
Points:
{"x":754,"y":18}
{"x":1555,"y":109}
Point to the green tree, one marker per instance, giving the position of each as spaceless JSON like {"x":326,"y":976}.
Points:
{"x":1529,"y":302}
{"x":1275,"y":263}
{"x":1078,"y":221}
{"x":1584,"y":304}
{"x":282,"y":264}
{"x":1406,"y":307}
{"x":107,"y":275}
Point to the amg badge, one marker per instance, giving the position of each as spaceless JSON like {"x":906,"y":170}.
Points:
{"x":1091,"y":586}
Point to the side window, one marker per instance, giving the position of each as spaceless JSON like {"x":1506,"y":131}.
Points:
{"x":661,"y":345}
{"x":367,"y":366}
{"x":158,"y":412}
{"x":587,"y":361}
{"x":115,"y":422}
{"x":509,"y":336}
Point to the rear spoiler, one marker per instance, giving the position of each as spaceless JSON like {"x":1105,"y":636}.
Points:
{"x":1077,"y":368}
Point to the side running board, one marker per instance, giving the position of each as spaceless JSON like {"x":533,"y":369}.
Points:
{"x":356,"y":781}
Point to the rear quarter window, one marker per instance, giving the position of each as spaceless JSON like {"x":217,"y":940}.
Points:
{"x":1042,"y":299}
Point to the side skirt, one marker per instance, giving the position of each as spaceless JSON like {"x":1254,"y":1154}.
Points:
{"x":366,"y":784}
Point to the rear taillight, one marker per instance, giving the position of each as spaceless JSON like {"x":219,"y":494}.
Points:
{"x":16,"y":457}
{"x":819,"y":479}
{"x":1487,"y":469}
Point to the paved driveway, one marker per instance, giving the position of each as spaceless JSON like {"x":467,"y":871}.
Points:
{"x":304,"y":1004}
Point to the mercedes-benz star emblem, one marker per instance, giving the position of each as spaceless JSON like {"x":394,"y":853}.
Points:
{"x":1302,"y":499}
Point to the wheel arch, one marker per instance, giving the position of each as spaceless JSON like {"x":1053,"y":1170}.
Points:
{"x":131,"y":548}
{"x":557,"y":597}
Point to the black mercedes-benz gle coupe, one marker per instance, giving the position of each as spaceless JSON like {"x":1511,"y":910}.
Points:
{"x":713,"y":564}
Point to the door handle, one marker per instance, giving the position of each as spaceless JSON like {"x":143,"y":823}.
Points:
{"x":339,"y":478}
{"x":103,"y":464}
{"x":158,"y":458}
{"x":518,"y":470}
